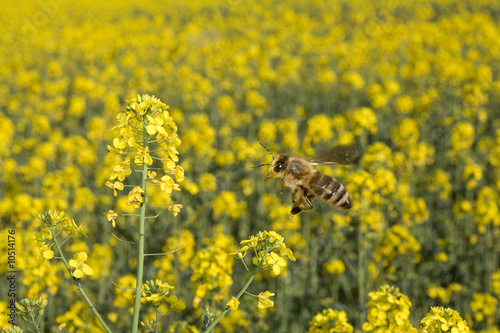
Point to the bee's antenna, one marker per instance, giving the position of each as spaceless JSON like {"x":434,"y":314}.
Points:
{"x":267,"y":151}
{"x":257,"y":166}
{"x":261,"y":165}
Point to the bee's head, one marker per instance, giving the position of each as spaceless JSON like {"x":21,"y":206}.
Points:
{"x":277,"y":166}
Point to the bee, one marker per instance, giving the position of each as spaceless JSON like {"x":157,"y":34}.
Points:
{"x":308,"y":183}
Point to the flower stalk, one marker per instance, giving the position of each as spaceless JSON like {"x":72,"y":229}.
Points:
{"x":140,"y":246}
{"x":270,"y":252}
{"x":238,"y":296}
{"x":76,"y":280}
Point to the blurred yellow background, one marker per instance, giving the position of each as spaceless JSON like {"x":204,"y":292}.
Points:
{"x":413,"y":83}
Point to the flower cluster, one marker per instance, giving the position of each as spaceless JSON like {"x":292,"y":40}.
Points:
{"x":444,"y":294}
{"x":388,"y":310}
{"x":146,"y":123}
{"x":30,"y":309}
{"x":270,"y":251}
{"x":155,"y":292}
{"x":54,"y":223}
{"x":211,"y":276}
{"x":484,"y":307}
{"x":441,"y":319}
{"x":397,"y":242}
{"x":329,"y":321}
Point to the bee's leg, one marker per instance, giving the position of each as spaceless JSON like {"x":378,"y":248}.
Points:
{"x":297,"y":193}
{"x":304,"y":203}
{"x":309,"y":201}
{"x":282,"y":184}
{"x":307,"y":198}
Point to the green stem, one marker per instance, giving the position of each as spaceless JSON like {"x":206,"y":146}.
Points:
{"x":157,"y":326}
{"x":35,"y":322}
{"x":64,"y":241}
{"x":140,"y":247}
{"x":241,"y":292}
{"x":244,"y":264}
{"x":79,"y":286}
{"x":361,"y":273}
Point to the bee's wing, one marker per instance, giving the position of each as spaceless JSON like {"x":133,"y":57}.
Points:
{"x":344,"y":154}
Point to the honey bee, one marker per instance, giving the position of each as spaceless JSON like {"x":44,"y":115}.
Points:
{"x":308,"y":183}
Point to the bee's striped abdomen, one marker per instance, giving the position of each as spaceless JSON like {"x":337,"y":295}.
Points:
{"x":329,"y":190}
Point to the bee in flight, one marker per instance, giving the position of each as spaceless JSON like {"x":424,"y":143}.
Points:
{"x":307,"y":183}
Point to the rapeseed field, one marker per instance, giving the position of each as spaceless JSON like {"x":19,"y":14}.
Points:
{"x":413,"y":84}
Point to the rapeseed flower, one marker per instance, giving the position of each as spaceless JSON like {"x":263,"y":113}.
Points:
{"x":334,"y":266}
{"x":441,"y":319}
{"x":233,"y":304}
{"x":322,"y":322}
{"x":388,"y":309}
{"x":462,"y":136}
{"x":79,"y":267}
{"x":264,"y":301}
{"x":483,"y":307}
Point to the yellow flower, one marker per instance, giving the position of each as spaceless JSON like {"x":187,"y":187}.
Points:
{"x":208,"y":182}
{"x":172,"y":153}
{"x":472,"y":174}
{"x":264,"y":301}
{"x":441,"y":319}
{"x":319,"y":128}
{"x":462,"y":136}
{"x":442,"y":257}
{"x":267,"y":131}
{"x":233,"y":304}
{"x":354,"y":79}
{"x":121,"y":171}
{"x":272,"y":260}
{"x":167,"y":163}
{"x":135,"y":197}
{"x":175,"y":209}
{"x":143,"y":156}
{"x":404,"y":104}
{"x":46,"y":252}
{"x":226,"y":204}
{"x":406,"y":134}
{"x":80,"y":268}
{"x":334,"y":267}
{"x":364,"y":118}
{"x":118,"y":148}
{"x":321,"y":322}
{"x":252,"y":242}
{"x":178,"y":172}
{"x":115,"y":186}
{"x":389,"y":310}
{"x":43,"y":235}
{"x":155,"y":292}
{"x":155,"y":299}
{"x":111,"y":216}
{"x":167,"y":184}
{"x":484,"y":307}
{"x":156,"y":126}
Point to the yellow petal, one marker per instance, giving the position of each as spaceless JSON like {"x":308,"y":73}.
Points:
{"x":73,"y":263}
{"x":87,"y":269}
{"x":151,"y":129}
{"x":233,"y":304}
{"x":81,"y":256}
{"x":48,"y":254}
{"x":78,"y":273}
